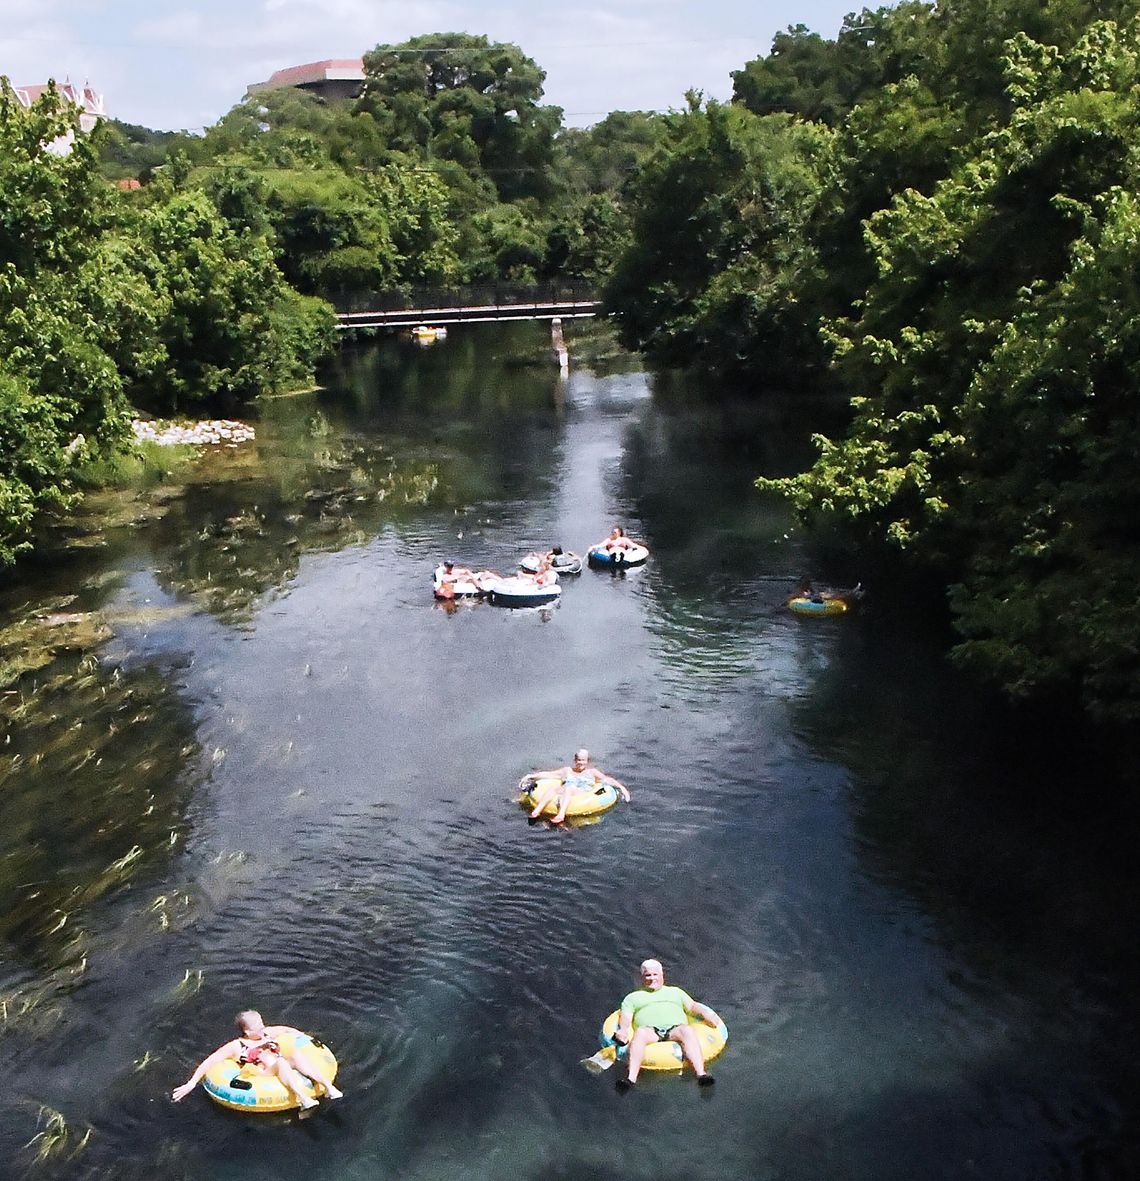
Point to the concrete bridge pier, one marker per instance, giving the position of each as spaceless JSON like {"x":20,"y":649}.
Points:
{"x":558,"y":344}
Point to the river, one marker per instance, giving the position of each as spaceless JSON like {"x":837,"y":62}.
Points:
{"x":283,"y":778}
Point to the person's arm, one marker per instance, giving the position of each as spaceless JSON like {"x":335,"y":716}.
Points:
{"x":615,"y":783}
{"x":219,"y":1055}
{"x":557,"y":773}
{"x":702,"y":1011}
{"x":624,"y":1030}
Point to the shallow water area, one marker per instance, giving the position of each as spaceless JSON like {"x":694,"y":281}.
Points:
{"x":282,"y":776}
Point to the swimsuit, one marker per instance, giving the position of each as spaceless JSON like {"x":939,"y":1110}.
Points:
{"x":580,"y":780}
{"x":252,"y":1053}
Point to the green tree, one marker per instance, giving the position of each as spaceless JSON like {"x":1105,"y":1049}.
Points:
{"x":586,"y":241}
{"x":510,"y":245}
{"x":462,"y":99}
{"x":227,"y":305}
{"x":126,"y":150}
{"x":802,"y":75}
{"x":996,"y":360}
{"x":604,"y":158}
{"x":60,"y":393}
{"x":718,"y":217}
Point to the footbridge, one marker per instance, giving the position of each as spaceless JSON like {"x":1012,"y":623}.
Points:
{"x":437,"y":307}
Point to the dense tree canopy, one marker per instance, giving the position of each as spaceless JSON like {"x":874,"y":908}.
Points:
{"x":996,"y":359}
{"x":162,"y":300}
{"x":942,"y":200}
{"x":718,"y":217}
{"x":462,"y":99}
{"x":58,"y":385}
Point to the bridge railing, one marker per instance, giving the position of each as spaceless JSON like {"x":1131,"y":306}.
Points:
{"x":480,"y":295}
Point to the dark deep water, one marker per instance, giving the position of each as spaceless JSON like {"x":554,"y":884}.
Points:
{"x":286,"y":781}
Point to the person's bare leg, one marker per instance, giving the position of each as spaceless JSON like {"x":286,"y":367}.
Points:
{"x":292,"y":1079}
{"x":305,"y":1066}
{"x":542,"y":797}
{"x":690,"y":1045}
{"x":641,"y":1038}
{"x":563,"y":803}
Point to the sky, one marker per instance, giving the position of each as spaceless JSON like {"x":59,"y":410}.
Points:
{"x":182,"y":64}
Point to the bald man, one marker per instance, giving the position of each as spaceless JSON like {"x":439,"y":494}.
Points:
{"x":659,"y":1012}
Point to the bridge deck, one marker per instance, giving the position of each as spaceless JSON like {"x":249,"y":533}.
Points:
{"x":473,"y":313}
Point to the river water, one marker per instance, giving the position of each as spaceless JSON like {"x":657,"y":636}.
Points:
{"x":284,"y":779}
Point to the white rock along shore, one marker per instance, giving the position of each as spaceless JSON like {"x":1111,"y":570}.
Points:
{"x":214,"y":430}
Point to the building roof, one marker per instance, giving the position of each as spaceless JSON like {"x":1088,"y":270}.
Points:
{"x":313,"y":73}
{"x":86,"y":97}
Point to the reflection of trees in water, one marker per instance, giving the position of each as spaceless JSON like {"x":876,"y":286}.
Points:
{"x":333,"y":470}
{"x":229,"y":557}
{"x":720,"y":553}
{"x":687,"y":471}
{"x":999,"y":825}
{"x":94,"y":778}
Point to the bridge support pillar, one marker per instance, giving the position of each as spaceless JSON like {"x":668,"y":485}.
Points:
{"x":558,"y":344}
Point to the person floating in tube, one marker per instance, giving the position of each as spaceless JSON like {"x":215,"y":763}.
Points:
{"x":256,"y":1044}
{"x":579,"y":776}
{"x":806,"y":590}
{"x":617,"y":542}
{"x":659,"y":1012}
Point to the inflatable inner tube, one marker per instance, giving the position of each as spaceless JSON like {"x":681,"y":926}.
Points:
{"x":522,"y":591}
{"x":667,"y":1055}
{"x":250,"y":1088}
{"x":461,"y":588}
{"x":600,"y":558}
{"x":804,"y":606}
{"x":581,"y":803}
{"x":563,"y":564}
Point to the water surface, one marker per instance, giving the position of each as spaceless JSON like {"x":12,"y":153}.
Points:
{"x":286,"y":781}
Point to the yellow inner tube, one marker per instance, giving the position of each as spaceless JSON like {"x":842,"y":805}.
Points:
{"x":251,"y":1088}
{"x":805,"y":606}
{"x":668,"y":1055}
{"x":588,"y":802}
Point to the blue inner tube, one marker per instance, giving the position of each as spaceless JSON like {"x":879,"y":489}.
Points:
{"x":618,"y":559}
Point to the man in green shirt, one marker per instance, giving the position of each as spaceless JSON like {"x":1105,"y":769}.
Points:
{"x":658,"y":1012}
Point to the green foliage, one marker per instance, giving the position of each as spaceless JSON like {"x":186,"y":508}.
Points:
{"x":998,"y":354}
{"x":719,"y":213}
{"x":126,"y":150}
{"x":343,"y":209}
{"x":586,"y":241}
{"x":806,"y":75}
{"x":225,"y":297}
{"x":510,"y":245}
{"x":802,"y":75}
{"x":60,"y":393}
{"x":590,"y":226}
{"x":35,"y":468}
{"x":162,"y":298}
{"x":605,"y":157}
{"x":462,"y":99}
